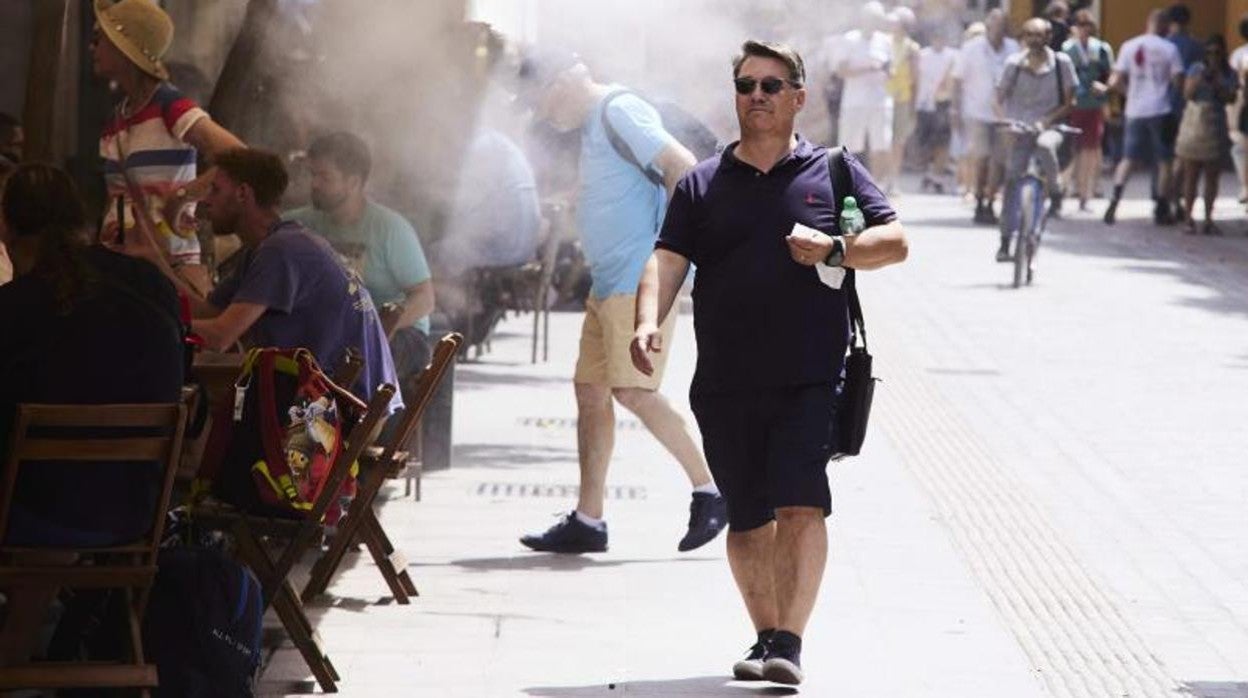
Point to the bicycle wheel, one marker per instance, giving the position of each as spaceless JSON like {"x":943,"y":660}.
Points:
{"x":1026,"y":220}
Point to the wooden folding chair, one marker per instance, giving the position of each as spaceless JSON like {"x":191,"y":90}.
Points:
{"x":377,"y":464}
{"x":89,"y":435}
{"x":295,"y":536}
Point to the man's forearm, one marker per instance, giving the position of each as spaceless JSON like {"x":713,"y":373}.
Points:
{"x":660,"y":283}
{"x":200,"y":307}
{"x":876,"y":247}
{"x":418,"y":303}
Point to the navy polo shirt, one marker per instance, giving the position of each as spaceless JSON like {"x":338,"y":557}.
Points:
{"x":761,"y":319}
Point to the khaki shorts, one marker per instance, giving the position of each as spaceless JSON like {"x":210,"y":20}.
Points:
{"x":980,"y":139}
{"x":605,"y":337}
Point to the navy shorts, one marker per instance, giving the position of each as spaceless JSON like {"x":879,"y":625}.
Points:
{"x":768,"y":448}
{"x":1148,"y":141}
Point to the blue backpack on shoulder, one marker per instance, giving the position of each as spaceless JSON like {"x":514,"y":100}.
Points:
{"x":203,"y":623}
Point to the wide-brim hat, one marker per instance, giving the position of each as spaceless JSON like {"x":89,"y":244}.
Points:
{"x":140,"y":30}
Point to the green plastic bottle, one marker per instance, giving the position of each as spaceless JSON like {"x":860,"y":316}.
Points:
{"x":852,"y":221}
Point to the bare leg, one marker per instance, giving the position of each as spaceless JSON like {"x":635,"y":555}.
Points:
{"x":595,"y":439}
{"x":1211,"y":190}
{"x":751,"y":555}
{"x":672,"y":431}
{"x":1123,"y":172}
{"x":801,"y":554}
{"x":1191,"y":174}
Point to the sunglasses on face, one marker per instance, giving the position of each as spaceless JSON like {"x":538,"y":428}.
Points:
{"x":769,"y":85}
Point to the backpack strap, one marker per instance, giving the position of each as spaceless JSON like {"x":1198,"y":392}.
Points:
{"x":618,"y":143}
{"x":842,"y":186}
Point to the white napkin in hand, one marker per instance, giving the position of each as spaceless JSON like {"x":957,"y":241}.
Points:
{"x":832,"y":277}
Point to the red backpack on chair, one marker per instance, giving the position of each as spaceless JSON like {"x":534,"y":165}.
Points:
{"x":271,"y":449}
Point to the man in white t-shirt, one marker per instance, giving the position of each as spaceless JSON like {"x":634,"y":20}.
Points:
{"x":863,"y":59}
{"x":1148,"y":67}
{"x":979,"y":65}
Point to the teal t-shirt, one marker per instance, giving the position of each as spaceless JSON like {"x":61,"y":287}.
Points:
{"x":382,"y":247}
{"x":619,"y":210}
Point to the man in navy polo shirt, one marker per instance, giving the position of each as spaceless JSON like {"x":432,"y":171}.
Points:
{"x":771,"y":339}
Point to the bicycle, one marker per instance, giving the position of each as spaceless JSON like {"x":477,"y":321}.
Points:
{"x":1031,"y":195}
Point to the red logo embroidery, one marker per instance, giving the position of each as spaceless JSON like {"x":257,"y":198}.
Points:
{"x":811,"y":200}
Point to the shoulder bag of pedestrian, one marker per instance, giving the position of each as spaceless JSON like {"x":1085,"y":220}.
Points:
{"x":857,"y":385}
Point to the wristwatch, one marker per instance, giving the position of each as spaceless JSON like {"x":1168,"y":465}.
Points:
{"x":836,"y":257}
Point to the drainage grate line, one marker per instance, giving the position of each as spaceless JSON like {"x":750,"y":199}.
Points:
{"x":522,"y":490}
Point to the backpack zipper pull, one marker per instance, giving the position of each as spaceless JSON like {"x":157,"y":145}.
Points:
{"x":240,"y":393}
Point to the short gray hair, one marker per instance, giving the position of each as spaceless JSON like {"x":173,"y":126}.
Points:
{"x":781,"y":52}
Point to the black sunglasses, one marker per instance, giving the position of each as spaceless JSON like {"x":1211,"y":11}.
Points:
{"x":770,"y":85}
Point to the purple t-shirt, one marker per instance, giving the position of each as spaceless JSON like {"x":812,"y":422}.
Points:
{"x":762,"y":320}
{"x":313,"y":300}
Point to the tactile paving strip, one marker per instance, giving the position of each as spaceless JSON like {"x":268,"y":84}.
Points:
{"x":1077,"y":640}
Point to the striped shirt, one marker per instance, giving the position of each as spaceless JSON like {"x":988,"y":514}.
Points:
{"x":149,"y":149}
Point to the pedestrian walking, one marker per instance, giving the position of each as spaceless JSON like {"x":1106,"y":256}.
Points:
{"x":1147,"y":67}
{"x":902,"y":85}
{"x":934,"y":94}
{"x":618,"y":209}
{"x":770,"y":338}
{"x":1094,"y":61}
{"x":1203,"y":140}
{"x":864,"y":60}
{"x":980,"y":64}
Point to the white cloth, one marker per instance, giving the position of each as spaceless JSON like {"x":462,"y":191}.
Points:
{"x":1150,"y":64}
{"x":853,"y":51}
{"x":867,"y":128}
{"x":934,"y":66}
{"x":978,"y":66}
{"x":1239,"y":59}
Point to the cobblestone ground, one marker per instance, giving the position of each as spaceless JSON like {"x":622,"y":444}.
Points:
{"x":1051,"y":502}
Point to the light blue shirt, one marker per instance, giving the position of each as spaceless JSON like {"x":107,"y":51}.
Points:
{"x":383,"y":248}
{"x":618,"y":209}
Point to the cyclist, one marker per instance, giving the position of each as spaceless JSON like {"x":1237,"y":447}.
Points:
{"x":1036,"y":88}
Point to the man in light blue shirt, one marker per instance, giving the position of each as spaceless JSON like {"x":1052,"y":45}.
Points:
{"x":619,"y":209}
{"x":377,"y":242}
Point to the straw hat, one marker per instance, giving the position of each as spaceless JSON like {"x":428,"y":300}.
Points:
{"x":140,"y":30}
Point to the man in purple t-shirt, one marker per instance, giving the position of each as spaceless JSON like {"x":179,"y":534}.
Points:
{"x":291,"y":289}
{"x":771,"y":339}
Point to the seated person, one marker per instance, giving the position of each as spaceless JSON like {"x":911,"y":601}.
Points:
{"x":289,"y":290}
{"x":82,"y":325}
{"x":493,"y":229}
{"x":377,"y":242}
{"x":496,"y":218}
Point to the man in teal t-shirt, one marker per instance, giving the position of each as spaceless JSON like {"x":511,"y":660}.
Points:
{"x":377,"y":242}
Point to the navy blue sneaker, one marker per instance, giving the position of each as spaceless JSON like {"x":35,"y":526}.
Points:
{"x":783,"y":662}
{"x":751,"y":667}
{"x":570,"y":535}
{"x":708,"y":515}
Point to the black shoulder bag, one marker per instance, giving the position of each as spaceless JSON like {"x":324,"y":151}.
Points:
{"x":857,"y":385}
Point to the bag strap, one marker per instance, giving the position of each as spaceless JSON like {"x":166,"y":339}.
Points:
{"x":617,"y":142}
{"x":842,"y":185}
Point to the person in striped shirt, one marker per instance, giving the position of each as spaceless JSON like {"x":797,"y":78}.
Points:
{"x":156,"y":134}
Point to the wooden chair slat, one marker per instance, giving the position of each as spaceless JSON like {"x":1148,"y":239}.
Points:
{"x":378,"y":464}
{"x":131,"y":566}
{"x":95,"y":450}
{"x":67,"y":675}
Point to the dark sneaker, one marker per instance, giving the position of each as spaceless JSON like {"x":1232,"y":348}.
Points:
{"x":708,"y":515}
{"x":570,"y":535}
{"x":751,"y":668}
{"x":1111,"y":213}
{"x":981,"y":214}
{"x":1003,"y":252}
{"x":990,"y":216}
{"x":783,"y":663}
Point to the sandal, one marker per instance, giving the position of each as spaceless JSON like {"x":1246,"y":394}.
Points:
{"x":1210,"y":228}
{"x":1189,"y":228}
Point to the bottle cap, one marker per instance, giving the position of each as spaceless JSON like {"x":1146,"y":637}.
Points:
{"x":849,"y":202}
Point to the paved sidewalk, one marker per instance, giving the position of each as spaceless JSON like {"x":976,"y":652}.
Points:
{"x":1050,"y":502}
